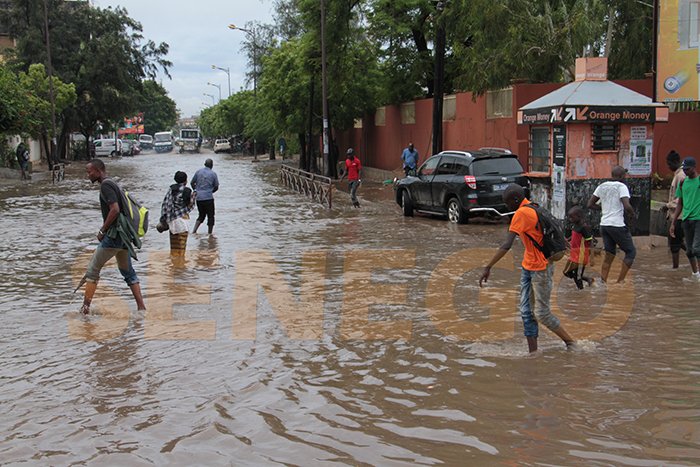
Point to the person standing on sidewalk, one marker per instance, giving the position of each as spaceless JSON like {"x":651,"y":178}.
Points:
{"x":614,"y":198}
{"x":409,"y":156}
{"x":353,"y":170}
{"x":111,"y":245}
{"x":676,"y":244}
{"x":536,"y":277}
{"x":22,"y":154}
{"x":205,"y":183}
{"x":688,"y":194}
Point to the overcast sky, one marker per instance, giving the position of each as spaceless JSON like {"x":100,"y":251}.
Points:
{"x":198,"y":35}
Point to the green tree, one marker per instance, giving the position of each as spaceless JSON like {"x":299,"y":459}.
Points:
{"x":37,"y":119}
{"x":159,"y":110}
{"x":101,"y":51}
{"x":13,"y":105}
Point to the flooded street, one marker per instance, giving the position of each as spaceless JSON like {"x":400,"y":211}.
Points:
{"x":300,"y":335}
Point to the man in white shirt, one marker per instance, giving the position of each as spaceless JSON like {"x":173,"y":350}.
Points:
{"x":614,"y":199}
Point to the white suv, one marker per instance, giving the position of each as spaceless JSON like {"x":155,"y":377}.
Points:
{"x":221,"y":145}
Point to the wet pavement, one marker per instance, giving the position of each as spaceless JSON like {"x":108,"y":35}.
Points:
{"x":300,"y":335}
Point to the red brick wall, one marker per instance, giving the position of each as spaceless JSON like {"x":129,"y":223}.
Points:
{"x":381,"y":146}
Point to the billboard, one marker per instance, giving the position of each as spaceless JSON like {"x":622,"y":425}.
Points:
{"x":678,"y":51}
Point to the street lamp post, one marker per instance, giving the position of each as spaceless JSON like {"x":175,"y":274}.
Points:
{"x":217,"y":86}
{"x":251,"y":34}
{"x":213,"y":99}
{"x":228,"y":73}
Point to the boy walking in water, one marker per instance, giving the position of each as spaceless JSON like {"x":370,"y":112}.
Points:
{"x":579,"y":255}
{"x":688,"y":194}
{"x":536,"y":277}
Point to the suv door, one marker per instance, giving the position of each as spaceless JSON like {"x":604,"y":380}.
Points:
{"x":443,"y":182}
{"x":420,"y":188}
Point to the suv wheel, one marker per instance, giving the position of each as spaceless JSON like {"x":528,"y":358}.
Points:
{"x":455,"y":213}
{"x":406,"y":204}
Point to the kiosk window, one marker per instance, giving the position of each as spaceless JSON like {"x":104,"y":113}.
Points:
{"x":539,"y":149}
{"x":605,"y":137}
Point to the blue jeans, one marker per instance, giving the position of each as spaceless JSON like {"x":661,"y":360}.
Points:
{"x":354,"y":184}
{"x":106,"y":250}
{"x":535,"y":293}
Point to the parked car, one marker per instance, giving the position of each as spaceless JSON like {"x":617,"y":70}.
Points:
{"x":222,"y":145}
{"x":108,"y":147}
{"x":453,"y":183}
{"x":146,"y":142}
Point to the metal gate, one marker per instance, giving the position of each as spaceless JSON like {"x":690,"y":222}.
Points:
{"x":316,"y":187}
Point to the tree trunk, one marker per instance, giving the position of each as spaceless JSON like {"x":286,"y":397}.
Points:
{"x":302,"y":156}
{"x":611,"y":32}
{"x":272,"y":150}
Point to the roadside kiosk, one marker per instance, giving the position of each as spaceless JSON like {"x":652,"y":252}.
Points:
{"x":579,"y":132}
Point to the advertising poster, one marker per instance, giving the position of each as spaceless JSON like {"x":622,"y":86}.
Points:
{"x":640,"y":157}
{"x":558,"y":192}
{"x":678,"y":54}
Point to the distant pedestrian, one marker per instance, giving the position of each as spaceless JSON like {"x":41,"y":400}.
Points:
{"x":205,"y":183}
{"x":22,"y":154}
{"x":353,"y":170}
{"x":614,"y":199}
{"x":409,"y":156}
{"x":536,"y":277}
{"x":111,"y":240}
{"x":580,"y":252}
{"x":676,"y":244}
{"x":688,"y":194}
{"x":174,"y":212}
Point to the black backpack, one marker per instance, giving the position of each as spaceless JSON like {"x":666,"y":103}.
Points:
{"x":554,"y":245}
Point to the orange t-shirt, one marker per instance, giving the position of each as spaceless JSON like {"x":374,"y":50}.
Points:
{"x":524,"y":223}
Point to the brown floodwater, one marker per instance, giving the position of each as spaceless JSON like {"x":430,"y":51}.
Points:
{"x":306,"y":336}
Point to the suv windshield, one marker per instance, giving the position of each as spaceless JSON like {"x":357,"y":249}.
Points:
{"x":496,"y":166}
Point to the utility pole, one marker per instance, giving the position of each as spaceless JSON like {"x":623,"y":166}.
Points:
{"x":324,"y":92}
{"x":49,"y":71}
{"x":439,"y":78}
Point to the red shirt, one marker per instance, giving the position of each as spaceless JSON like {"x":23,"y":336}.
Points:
{"x":580,"y":245}
{"x":524,"y":223}
{"x":352,"y":167}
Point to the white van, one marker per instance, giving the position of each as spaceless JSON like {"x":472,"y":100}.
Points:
{"x":163,"y":141}
{"x":146,"y":141}
{"x":107,"y":147}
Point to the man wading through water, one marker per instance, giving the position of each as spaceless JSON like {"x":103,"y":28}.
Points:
{"x":111,"y":244}
{"x":536,"y":277}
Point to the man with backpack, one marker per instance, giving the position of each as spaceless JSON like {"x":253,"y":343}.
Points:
{"x":536,"y":276}
{"x":613,"y":199}
{"x":111,"y":242}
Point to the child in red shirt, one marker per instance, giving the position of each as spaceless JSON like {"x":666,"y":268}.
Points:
{"x":580,"y":253}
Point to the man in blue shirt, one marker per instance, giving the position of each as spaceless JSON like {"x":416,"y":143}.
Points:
{"x":410,"y":159}
{"x":205,"y":183}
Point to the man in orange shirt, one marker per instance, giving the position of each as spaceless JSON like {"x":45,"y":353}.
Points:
{"x":536,"y":277}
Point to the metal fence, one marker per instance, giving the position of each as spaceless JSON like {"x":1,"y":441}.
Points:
{"x":316,"y":187}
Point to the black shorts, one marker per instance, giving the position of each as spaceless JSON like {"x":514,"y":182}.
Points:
{"x":206,"y":209}
{"x":676,"y":243}
{"x":618,"y":236}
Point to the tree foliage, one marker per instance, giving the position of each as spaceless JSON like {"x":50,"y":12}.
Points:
{"x":159,"y":110}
